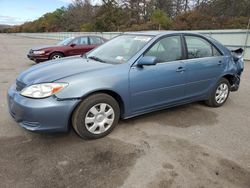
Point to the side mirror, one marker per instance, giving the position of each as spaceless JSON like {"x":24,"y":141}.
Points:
{"x":72,"y":45}
{"x":147,"y":61}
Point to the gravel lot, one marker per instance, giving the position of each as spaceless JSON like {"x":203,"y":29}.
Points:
{"x":190,"y":146}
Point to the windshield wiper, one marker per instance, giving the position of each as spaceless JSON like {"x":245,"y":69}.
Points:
{"x":96,"y":59}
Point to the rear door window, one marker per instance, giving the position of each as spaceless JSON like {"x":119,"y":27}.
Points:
{"x":95,"y":40}
{"x":198,"y":47}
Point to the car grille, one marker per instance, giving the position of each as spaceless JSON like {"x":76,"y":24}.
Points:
{"x":20,"y":85}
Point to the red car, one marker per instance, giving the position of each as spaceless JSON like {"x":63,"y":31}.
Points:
{"x":68,"y":47}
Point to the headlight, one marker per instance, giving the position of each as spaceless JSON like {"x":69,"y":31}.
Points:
{"x":43,"y":90}
{"x":39,"y":52}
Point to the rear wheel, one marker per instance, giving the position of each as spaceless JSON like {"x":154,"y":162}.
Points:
{"x":96,"y":116}
{"x":56,"y":55}
{"x":220,"y":94}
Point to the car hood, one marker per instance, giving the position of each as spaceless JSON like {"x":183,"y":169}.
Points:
{"x":58,"y":69}
{"x":44,"y":47}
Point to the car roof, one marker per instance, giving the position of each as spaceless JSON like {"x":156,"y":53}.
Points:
{"x":79,"y":36}
{"x":87,"y":36}
{"x":154,"y":33}
{"x":159,"y":33}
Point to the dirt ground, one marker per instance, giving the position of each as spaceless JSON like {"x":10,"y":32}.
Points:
{"x":191,"y":146}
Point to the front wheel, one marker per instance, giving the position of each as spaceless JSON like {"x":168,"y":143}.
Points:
{"x":56,"y":55}
{"x":96,"y":116}
{"x":220,"y":94}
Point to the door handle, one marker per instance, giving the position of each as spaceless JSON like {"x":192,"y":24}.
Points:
{"x":220,"y":63}
{"x":180,"y":69}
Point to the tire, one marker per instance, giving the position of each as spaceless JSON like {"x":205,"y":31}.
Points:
{"x":101,"y":119}
{"x":56,"y":55}
{"x":219,"y":94}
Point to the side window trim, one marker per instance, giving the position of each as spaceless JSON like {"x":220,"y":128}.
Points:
{"x":214,"y":48}
{"x":184,"y":47}
{"x":102,"y":40}
{"x":204,"y":38}
{"x":91,"y":38}
{"x":80,"y":38}
{"x":88,"y":40}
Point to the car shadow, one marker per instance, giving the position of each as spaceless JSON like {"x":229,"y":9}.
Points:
{"x":182,"y":116}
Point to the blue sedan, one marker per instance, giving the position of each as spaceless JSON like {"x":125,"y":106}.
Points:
{"x":132,"y":74}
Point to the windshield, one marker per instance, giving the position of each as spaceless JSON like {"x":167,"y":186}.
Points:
{"x":119,"y":49}
{"x":65,"y":41}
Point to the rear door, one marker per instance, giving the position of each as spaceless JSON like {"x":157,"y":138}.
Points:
{"x":164,"y":83}
{"x":204,"y":64}
{"x":95,"y":41}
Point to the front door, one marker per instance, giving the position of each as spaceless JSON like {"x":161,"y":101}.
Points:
{"x":161,"y":84}
{"x":81,"y":46}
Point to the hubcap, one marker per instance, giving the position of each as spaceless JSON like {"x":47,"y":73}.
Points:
{"x":99,"y":118}
{"x":221,"y":93}
{"x":56,"y":57}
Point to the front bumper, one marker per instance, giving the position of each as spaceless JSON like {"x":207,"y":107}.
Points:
{"x":38,"y":58}
{"x":41,"y":115}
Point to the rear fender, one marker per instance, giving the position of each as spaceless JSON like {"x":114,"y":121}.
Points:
{"x":237,"y":55}
{"x":234,"y":81}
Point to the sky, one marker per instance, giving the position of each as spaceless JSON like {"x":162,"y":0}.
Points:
{"x":16,"y":12}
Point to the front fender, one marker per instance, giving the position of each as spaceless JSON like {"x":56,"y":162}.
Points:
{"x":82,"y":85}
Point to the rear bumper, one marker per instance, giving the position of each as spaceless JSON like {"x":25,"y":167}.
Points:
{"x":40,"y":115}
{"x":236,"y":83}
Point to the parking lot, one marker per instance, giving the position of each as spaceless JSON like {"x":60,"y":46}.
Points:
{"x":189,"y":146}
